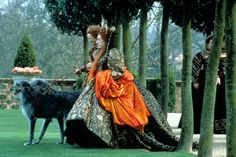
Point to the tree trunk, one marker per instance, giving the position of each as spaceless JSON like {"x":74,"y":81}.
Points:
{"x":207,"y":117}
{"x":231,"y":77}
{"x":142,"y":67}
{"x":186,"y":136}
{"x":85,"y":40}
{"x":164,"y":58}
{"x":117,"y":26}
{"x":126,"y":41}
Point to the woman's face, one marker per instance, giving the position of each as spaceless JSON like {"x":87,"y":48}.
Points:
{"x":100,"y":42}
{"x":91,"y":38}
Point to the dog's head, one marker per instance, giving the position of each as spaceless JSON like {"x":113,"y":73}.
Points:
{"x":41,"y":86}
{"x":20,"y":87}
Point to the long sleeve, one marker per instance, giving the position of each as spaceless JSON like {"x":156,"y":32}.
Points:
{"x":107,"y":87}
{"x":93,"y":69}
{"x":196,"y":66}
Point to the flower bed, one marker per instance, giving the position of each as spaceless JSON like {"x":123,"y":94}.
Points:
{"x":26,"y":71}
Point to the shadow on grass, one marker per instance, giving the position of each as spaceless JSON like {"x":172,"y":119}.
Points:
{"x":14,"y":133}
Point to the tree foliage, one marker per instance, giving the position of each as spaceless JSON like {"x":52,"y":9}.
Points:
{"x":71,"y":16}
{"x":58,"y":54}
{"x":202,"y":18}
{"x":25,"y":53}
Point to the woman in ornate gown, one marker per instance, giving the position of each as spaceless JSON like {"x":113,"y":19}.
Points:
{"x":114,"y":111}
{"x":92,"y":33}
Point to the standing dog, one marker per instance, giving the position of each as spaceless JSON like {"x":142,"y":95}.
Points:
{"x":38,"y":100}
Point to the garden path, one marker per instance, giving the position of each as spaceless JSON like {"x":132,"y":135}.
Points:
{"x":219,"y":140}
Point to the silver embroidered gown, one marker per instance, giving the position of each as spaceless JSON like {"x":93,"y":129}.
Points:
{"x":89,"y":125}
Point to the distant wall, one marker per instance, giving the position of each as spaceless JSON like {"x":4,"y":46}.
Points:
{"x":7,"y":100}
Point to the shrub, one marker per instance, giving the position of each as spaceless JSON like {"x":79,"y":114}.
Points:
{"x":154,"y":86}
{"x":80,"y":81}
{"x":25,"y":53}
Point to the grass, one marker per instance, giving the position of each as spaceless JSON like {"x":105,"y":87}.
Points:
{"x":14,"y":133}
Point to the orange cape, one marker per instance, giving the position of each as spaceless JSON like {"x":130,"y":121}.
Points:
{"x":122,"y":98}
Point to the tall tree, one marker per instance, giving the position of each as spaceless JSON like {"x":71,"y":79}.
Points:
{"x":127,"y":13}
{"x":207,"y":117}
{"x":142,"y":69}
{"x":231,"y":77}
{"x":118,"y":28}
{"x":164,"y":57}
{"x":25,"y":53}
{"x":186,"y":93}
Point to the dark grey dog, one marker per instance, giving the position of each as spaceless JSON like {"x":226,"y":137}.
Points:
{"x":38,"y":100}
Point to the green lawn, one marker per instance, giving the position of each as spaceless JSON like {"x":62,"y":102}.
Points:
{"x":14,"y":133}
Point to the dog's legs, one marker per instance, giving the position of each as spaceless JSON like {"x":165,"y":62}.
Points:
{"x":43,"y":129}
{"x":61,"y":127}
{"x":32,"y":122}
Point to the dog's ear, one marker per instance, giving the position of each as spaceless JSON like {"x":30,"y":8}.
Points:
{"x":44,"y":87}
{"x":31,"y":91}
{"x":27,"y":86}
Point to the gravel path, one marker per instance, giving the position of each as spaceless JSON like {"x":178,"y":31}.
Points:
{"x":219,"y":140}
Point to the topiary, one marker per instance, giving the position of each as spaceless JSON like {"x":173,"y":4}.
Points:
{"x":25,"y":53}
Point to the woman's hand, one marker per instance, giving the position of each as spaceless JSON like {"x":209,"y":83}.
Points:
{"x":88,"y":66}
{"x":196,"y":85}
{"x":116,"y":75}
{"x":77,"y":71}
{"x":218,"y":81}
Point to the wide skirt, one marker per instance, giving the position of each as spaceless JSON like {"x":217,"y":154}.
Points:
{"x":89,"y":125}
